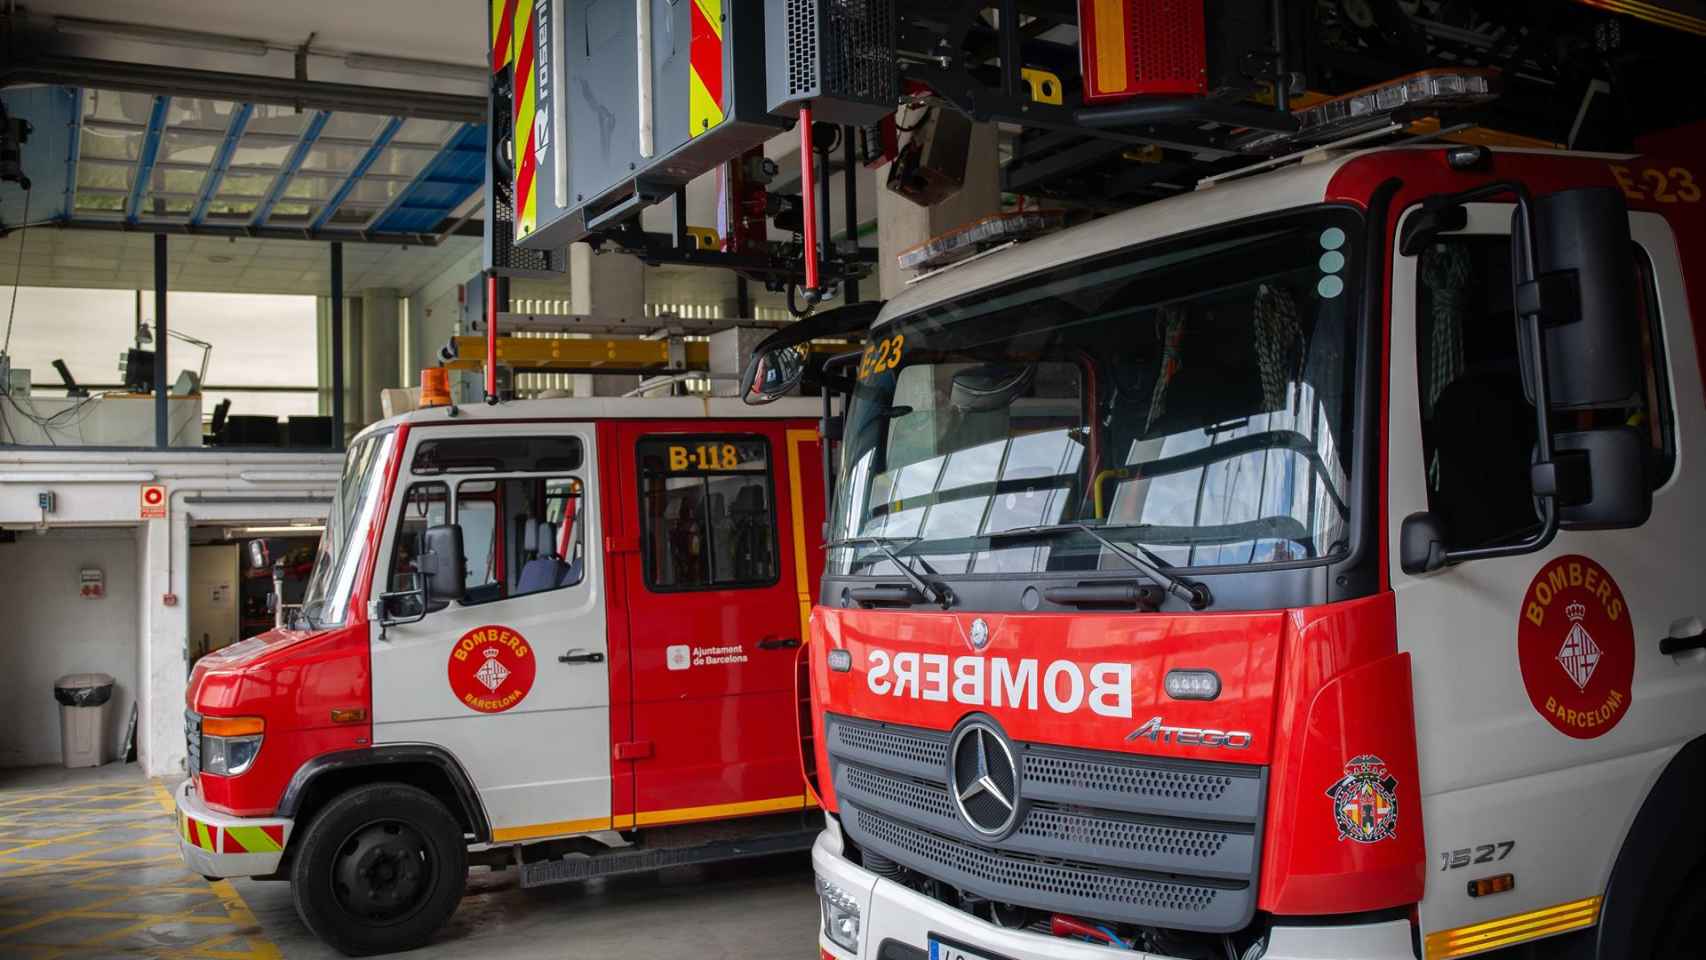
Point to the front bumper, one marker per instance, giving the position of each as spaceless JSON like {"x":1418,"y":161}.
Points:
{"x":216,"y":845}
{"x":892,"y":912}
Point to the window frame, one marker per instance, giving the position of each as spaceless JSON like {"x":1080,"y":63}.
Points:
{"x":648,"y":573}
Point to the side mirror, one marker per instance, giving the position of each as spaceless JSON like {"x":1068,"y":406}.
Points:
{"x":258,"y":559}
{"x":442,"y":565}
{"x":404,"y":606}
{"x":1585,"y":287}
{"x":1612,"y":490}
{"x":771,"y":373}
{"x":1421,"y":544}
{"x":779,"y":361}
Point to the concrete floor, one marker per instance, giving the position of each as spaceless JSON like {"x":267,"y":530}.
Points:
{"x":89,"y":868}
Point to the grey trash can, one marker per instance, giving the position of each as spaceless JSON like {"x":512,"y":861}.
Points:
{"x":83,"y":699}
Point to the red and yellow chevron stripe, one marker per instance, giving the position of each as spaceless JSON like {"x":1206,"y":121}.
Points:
{"x":503,"y":20}
{"x":262,"y":839}
{"x":197,"y":834}
{"x":705,"y":67}
{"x":526,"y":87}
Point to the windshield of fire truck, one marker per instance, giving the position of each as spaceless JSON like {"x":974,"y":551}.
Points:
{"x":325,"y":602}
{"x":1191,"y":398}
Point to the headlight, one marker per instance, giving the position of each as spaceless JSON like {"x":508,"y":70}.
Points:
{"x":840,"y":916}
{"x":229,"y":745}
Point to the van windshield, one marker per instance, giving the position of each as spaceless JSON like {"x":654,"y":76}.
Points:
{"x":1191,"y":399}
{"x":325,"y":603}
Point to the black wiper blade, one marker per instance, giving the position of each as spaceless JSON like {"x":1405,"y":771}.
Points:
{"x":1193,"y":592}
{"x":940,"y":596}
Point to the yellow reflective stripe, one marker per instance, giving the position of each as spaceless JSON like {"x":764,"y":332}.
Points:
{"x":253,"y":839}
{"x":797,"y":493}
{"x":1514,"y":929}
{"x":703,"y":112}
{"x":1110,"y":46}
{"x":560,"y":828}
{"x":715,"y":810}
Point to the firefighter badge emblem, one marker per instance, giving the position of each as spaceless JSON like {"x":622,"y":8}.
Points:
{"x":1365,"y":801}
{"x":491,"y":669}
{"x":1575,"y":644}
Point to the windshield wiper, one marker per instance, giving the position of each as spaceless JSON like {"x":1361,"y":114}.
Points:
{"x":940,"y":596}
{"x":1193,"y":592}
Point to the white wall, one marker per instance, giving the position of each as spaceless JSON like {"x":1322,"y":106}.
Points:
{"x":50,"y":631}
{"x":202,"y":487}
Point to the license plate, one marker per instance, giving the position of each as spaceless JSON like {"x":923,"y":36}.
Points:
{"x":943,"y":950}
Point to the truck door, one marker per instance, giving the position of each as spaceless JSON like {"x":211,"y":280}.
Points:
{"x":1544,"y":708}
{"x":509,"y":678}
{"x":709,"y":569}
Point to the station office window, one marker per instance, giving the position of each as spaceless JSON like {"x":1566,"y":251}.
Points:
{"x":707,"y":512}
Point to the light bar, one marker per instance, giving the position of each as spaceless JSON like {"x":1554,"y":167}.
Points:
{"x":969,"y":238}
{"x":1518,"y":928}
{"x":1352,"y":113}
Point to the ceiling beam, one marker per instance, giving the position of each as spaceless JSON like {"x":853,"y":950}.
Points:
{"x":142,"y":175}
{"x":469,"y":229}
{"x":360,"y":169}
{"x":281,"y":183}
{"x":221,"y":161}
{"x":29,"y":67}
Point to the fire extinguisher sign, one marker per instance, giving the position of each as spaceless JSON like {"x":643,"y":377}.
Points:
{"x":153,"y":501}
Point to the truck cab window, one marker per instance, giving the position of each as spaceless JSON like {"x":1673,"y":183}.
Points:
{"x":1477,"y":423}
{"x":707,"y":514}
{"x":520,"y":535}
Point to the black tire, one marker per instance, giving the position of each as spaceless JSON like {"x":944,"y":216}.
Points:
{"x":1679,"y":938}
{"x":379,"y":869}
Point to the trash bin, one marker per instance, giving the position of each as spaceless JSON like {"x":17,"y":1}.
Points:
{"x":83,"y":699}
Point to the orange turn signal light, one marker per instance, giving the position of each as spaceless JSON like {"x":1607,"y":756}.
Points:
{"x":232,"y":726}
{"x":1487,"y":886}
{"x":349,"y":715}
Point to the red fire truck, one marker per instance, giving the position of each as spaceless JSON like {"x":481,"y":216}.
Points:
{"x":1304,"y":566}
{"x":560,"y":635}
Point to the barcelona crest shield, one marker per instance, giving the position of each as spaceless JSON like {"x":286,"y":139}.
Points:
{"x":1365,"y":802}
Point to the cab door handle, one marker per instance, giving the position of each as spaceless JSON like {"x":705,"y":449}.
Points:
{"x":779,"y":643}
{"x":1679,"y":642}
{"x":579,"y":656}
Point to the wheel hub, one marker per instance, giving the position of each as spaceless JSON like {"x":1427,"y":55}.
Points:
{"x":382,"y":871}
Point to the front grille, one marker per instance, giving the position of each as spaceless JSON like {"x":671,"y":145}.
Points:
{"x":192,"y":740}
{"x":1116,"y":837}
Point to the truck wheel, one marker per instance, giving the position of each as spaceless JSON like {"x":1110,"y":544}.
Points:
{"x":379,"y":869}
{"x":1680,"y":936}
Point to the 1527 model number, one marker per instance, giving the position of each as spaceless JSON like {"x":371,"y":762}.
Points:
{"x":1484,"y":853}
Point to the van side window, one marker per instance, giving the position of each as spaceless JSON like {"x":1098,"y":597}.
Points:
{"x":1477,"y":424}
{"x":707,"y":512}
{"x":520,"y":535}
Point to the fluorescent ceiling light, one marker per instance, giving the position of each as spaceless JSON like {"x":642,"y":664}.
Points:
{"x":25,"y":476}
{"x":278,"y":530}
{"x":420,"y":68}
{"x":160,"y":35}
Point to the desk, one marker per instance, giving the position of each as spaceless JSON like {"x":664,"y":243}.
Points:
{"x":107,"y":420}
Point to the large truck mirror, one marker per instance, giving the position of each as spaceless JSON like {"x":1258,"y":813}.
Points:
{"x":1611,"y":488}
{"x":779,"y":361}
{"x":443,"y":568}
{"x":257,"y":554}
{"x":1586,"y":283}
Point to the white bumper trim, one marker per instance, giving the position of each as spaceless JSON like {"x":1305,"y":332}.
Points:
{"x":890,"y":911}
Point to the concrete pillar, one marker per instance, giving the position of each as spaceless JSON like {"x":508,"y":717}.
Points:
{"x":902,"y":223}
{"x":323,"y":354}
{"x":729,"y":350}
{"x":164,"y":670}
{"x":381,"y":348}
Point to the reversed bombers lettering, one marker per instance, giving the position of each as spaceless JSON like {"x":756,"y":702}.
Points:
{"x":1063,"y":686}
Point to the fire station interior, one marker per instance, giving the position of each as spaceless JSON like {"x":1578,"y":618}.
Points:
{"x":240,"y":239}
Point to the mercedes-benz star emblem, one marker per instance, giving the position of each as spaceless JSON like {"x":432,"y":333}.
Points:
{"x":979,"y":634}
{"x":983,"y":779}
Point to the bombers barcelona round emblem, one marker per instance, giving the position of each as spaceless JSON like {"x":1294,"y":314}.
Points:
{"x":1576,"y":647}
{"x":1365,"y":801}
{"x":491,"y":669}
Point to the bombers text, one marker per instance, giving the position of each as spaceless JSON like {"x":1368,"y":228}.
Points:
{"x":1062,"y":685}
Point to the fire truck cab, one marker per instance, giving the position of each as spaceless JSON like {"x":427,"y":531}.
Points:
{"x":1305,"y":566}
{"x":545,"y":634}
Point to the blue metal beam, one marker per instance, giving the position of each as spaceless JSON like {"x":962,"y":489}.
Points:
{"x":341,"y":194}
{"x":76,"y":94}
{"x":450,"y":178}
{"x":221,"y":161}
{"x":143,"y":175}
{"x":298,"y":153}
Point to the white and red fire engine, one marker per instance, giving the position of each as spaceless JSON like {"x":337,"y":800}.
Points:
{"x":559,"y":634}
{"x":1303,"y":567}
